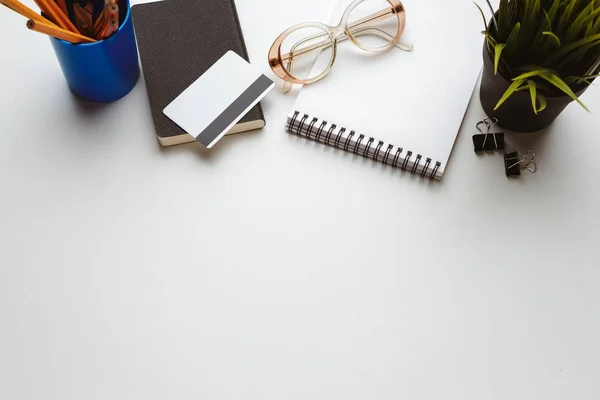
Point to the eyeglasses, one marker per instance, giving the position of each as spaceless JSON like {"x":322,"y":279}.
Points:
{"x":305,"y":53}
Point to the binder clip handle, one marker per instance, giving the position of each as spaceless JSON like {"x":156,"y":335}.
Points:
{"x":514,"y":163}
{"x":482,"y":142}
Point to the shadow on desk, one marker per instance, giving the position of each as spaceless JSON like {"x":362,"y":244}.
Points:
{"x":91,"y":110}
{"x":215,"y":154}
{"x":537,"y":141}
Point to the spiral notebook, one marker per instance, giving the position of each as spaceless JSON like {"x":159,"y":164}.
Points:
{"x":403,"y":109}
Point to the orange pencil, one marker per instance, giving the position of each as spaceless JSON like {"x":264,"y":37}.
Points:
{"x":98,"y":25}
{"x":22,"y":9}
{"x":63,"y":7}
{"x":108,"y":21}
{"x":50,"y":8}
{"x":105,"y":32}
{"x":53,"y":30}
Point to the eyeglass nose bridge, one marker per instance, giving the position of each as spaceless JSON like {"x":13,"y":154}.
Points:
{"x":338,"y":32}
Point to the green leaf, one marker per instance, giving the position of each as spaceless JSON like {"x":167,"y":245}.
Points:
{"x":590,"y":28}
{"x":560,"y":84}
{"x":513,"y":14}
{"x":531,"y":74}
{"x":522,"y":88}
{"x":581,"y":79}
{"x":577,"y":55}
{"x":594,"y":39}
{"x":482,"y":16}
{"x":511,"y":89}
{"x":533,"y":92}
{"x":553,"y":11}
{"x":512,"y":41}
{"x":497,"y":52}
{"x":490,"y":42}
{"x":541,"y":44}
{"x":542,"y":99}
{"x":579,"y":24}
{"x":576,"y":24}
{"x":566,"y":16}
{"x":553,"y":36}
{"x":596,"y":28}
{"x":493,"y":14}
{"x":503,"y":25}
{"x":489,"y":38}
{"x":532,"y":9}
{"x":575,"y":80}
{"x":548,"y":20}
{"x":591,"y":17}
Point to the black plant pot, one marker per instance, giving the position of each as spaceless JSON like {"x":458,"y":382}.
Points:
{"x":516,"y":114}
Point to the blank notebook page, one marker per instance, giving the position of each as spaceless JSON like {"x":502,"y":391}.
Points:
{"x":415,"y":100}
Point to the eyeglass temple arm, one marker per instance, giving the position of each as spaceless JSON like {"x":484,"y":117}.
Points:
{"x":327,"y":43}
{"x":383,"y":14}
{"x":355,"y":27}
{"x":381,"y":33}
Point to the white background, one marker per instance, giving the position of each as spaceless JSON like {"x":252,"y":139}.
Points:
{"x":271,"y":267}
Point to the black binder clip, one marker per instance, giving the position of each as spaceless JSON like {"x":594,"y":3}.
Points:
{"x":514,"y":163}
{"x":488,"y":141}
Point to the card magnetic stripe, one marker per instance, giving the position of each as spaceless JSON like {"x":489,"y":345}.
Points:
{"x":235,"y":110}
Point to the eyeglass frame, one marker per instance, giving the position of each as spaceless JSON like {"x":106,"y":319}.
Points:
{"x":336,"y":34}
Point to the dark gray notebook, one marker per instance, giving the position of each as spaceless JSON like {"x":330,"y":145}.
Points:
{"x":178,"y":41}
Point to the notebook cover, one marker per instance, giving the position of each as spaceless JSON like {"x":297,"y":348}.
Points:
{"x":178,"y":41}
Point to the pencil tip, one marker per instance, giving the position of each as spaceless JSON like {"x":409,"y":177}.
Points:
{"x":30,"y":24}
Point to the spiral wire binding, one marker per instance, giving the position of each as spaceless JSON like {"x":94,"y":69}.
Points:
{"x":416,"y":164}
{"x":291,"y":127}
{"x":339,"y":136}
{"x":387,"y":153}
{"x":357,"y":145}
{"x":397,"y":157}
{"x":299,"y":129}
{"x":310,"y":127}
{"x":320,"y":131}
{"x":377,"y":150}
{"x":368,"y":147}
{"x":297,"y":125}
{"x":330,"y":132}
{"x":425,"y":167}
{"x":348,"y":139}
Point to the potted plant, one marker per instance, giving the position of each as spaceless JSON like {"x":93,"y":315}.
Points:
{"x":538,"y":56}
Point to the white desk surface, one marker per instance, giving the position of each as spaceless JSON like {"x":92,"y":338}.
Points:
{"x":275,"y":268}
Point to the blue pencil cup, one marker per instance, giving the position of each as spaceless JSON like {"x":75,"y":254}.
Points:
{"x":103,"y":71}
